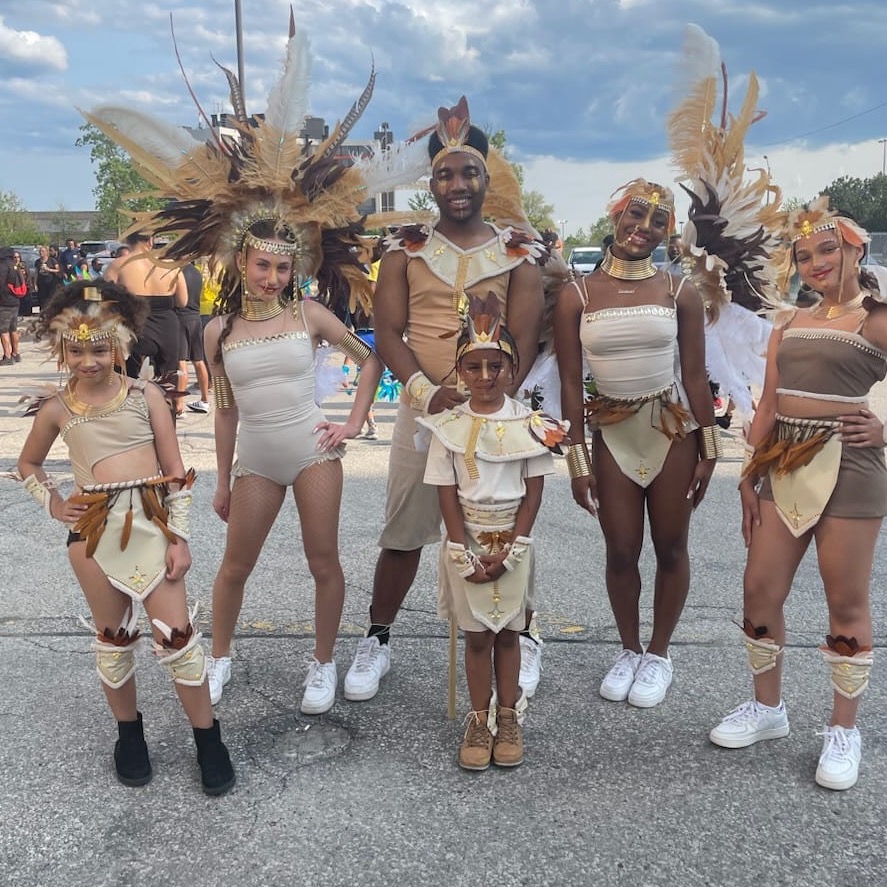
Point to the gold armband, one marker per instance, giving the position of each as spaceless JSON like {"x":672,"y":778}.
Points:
{"x":421,"y":389}
{"x":712,"y":446}
{"x":578,"y":463}
{"x":354,"y":347}
{"x":222,"y":392}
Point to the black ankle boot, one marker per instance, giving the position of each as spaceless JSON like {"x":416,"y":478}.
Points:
{"x":216,"y":771}
{"x":131,"y":753}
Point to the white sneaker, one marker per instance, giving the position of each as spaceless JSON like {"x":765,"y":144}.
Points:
{"x":371,"y":663}
{"x":839,"y":762}
{"x":652,"y":681}
{"x":320,"y":688}
{"x":618,"y":680}
{"x":198,"y":406}
{"x":218,"y":673}
{"x":530,"y":665}
{"x":750,"y":723}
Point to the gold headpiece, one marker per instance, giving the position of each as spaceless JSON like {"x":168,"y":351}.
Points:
{"x":97,"y":322}
{"x":454,"y":129}
{"x":656,"y":197}
{"x":261,"y":168}
{"x":815,"y":217}
{"x":483,"y":326}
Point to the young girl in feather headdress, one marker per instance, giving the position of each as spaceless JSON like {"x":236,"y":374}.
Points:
{"x":488,"y":458}
{"x":128,"y":516}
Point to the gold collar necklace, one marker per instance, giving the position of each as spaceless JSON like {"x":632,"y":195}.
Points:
{"x":81,"y":408}
{"x":256,"y":309}
{"x":833,"y":312}
{"x":628,"y":269}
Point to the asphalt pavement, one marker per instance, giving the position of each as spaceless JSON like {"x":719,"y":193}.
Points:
{"x":371,"y":793}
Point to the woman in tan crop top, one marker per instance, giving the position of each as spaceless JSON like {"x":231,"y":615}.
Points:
{"x":816,"y":473}
{"x":641,"y":333}
{"x":128,"y":516}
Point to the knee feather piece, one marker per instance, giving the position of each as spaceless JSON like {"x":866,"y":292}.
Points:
{"x":760,"y":649}
{"x":850,"y":665}
{"x":181,"y":653}
{"x":115,"y":651}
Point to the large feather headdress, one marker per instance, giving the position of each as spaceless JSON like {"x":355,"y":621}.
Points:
{"x":732,"y":218}
{"x":218,"y":189}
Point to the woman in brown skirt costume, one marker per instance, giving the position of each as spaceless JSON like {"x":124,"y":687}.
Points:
{"x":815,"y":471}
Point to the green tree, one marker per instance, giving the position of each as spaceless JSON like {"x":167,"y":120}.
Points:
{"x":422,"y":201}
{"x":16,"y":224}
{"x":599,"y":230}
{"x":538,"y":211}
{"x":864,"y":199}
{"x":119,"y":191}
{"x":593,"y":237}
{"x":498,"y":140}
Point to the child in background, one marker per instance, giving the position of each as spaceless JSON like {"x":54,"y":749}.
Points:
{"x":128,"y":517}
{"x":487,"y":458}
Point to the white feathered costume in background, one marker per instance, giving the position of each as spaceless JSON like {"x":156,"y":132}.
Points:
{"x":733,"y":219}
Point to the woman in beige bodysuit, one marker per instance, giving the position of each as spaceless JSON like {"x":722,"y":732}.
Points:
{"x":816,"y":472}
{"x":640,"y":331}
{"x":261,"y":351}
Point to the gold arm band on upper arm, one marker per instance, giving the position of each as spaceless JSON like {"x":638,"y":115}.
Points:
{"x":354,"y":347}
{"x":222,"y":392}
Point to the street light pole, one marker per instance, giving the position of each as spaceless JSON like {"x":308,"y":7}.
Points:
{"x":883,"y":156}
{"x":563,"y":224}
{"x":238,"y":31}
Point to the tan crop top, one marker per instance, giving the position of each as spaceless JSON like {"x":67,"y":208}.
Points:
{"x":91,"y":439}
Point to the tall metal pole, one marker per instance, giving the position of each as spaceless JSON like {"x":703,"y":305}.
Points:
{"x":884,"y":156}
{"x":238,"y":30}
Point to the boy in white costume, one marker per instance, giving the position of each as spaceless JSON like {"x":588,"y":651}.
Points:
{"x":488,"y":458}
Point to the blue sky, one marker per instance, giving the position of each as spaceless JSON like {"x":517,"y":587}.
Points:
{"x":581,"y":87}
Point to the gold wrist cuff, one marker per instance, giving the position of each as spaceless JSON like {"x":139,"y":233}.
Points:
{"x":712,"y":445}
{"x":354,"y":347}
{"x":420,"y":389}
{"x":578,"y":462}
{"x":222,"y":392}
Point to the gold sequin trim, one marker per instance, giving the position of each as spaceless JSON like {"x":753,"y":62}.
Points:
{"x":632,"y":311}
{"x":853,"y":339}
{"x":242,"y":343}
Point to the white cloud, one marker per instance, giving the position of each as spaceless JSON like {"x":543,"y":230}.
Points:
{"x":21,"y":50}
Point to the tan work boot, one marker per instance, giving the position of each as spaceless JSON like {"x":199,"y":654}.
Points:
{"x":477,"y":746}
{"x":508,"y":748}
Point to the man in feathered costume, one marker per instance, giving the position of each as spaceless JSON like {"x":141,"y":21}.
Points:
{"x":425,"y":280}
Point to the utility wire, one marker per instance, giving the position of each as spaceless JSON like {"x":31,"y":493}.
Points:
{"x":812,"y":132}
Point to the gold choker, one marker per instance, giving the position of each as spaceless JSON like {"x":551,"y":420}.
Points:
{"x":256,"y":309}
{"x":628,"y":269}
{"x":833,"y":312}
{"x":80,"y":408}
